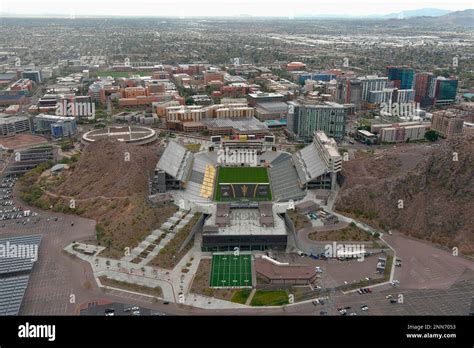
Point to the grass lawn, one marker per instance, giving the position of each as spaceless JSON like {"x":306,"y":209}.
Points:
{"x":270,"y":298}
{"x":241,"y":296}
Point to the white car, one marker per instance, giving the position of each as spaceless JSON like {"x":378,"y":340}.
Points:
{"x":364,"y":308}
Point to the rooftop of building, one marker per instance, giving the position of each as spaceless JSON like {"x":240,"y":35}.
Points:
{"x":243,"y":222}
{"x":241,"y":124}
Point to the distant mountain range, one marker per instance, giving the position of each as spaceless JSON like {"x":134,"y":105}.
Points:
{"x":463,"y":19}
{"x":423,"y":12}
{"x":449,"y":17}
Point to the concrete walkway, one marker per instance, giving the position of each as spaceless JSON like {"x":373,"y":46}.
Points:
{"x":176,"y":222}
{"x":249,"y":299}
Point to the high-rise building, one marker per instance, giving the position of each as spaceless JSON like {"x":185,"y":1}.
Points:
{"x":304,"y":120}
{"x":401,"y":76}
{"x":33,"y":75}
{"x":404,"y":95}
{"x":425,"y":87}
{"x":372,"y":83}
{"x":445,"y":90}
{"x":352,"y":91}
{"x":383,"y":96}
{"x":446,"y":123}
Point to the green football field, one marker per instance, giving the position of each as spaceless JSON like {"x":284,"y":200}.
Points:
{"x":241,"y":175}
{"x":233,"y":175}
{"x":230,"y":271}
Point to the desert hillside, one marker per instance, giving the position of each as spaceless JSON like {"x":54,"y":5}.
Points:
{"x":437,"y":192}
{"x":108,"y":184}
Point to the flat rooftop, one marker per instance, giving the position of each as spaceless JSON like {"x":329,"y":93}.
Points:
{"x":247,"y":222}
{"x":239,"y":124}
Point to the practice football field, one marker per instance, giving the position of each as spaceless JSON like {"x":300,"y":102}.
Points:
{"x":229,"y":270}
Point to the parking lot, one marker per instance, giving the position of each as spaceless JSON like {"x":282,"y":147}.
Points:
{"x":451,"y":301}
{"x":117,"y":309}
{"x":59,"y":283}
{"x":425,"y":266}
{"x":9,"y":210}
{"x":55,"y":276}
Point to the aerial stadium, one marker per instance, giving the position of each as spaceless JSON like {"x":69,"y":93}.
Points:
{"x":244,"y":185}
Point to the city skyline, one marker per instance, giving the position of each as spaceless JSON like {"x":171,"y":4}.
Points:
{"x":259,"y":8}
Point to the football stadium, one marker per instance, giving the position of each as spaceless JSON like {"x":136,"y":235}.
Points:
{"x":242,"y":187}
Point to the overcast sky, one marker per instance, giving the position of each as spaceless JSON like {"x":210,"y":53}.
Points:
{"x":222,"y":7}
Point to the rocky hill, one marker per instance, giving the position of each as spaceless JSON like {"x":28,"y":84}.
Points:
{"x":418,"y":190}
{"x":108,"y":184}
{"x":110,"y":169}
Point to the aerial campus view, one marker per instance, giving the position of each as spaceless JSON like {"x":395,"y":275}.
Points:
{"x":177,"y":159}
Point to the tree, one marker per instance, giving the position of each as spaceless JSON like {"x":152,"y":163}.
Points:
{"x":432,"y":135}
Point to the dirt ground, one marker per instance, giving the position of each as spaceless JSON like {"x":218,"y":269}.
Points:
{"x":201,"y":283}
{"x":22,"y":140}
